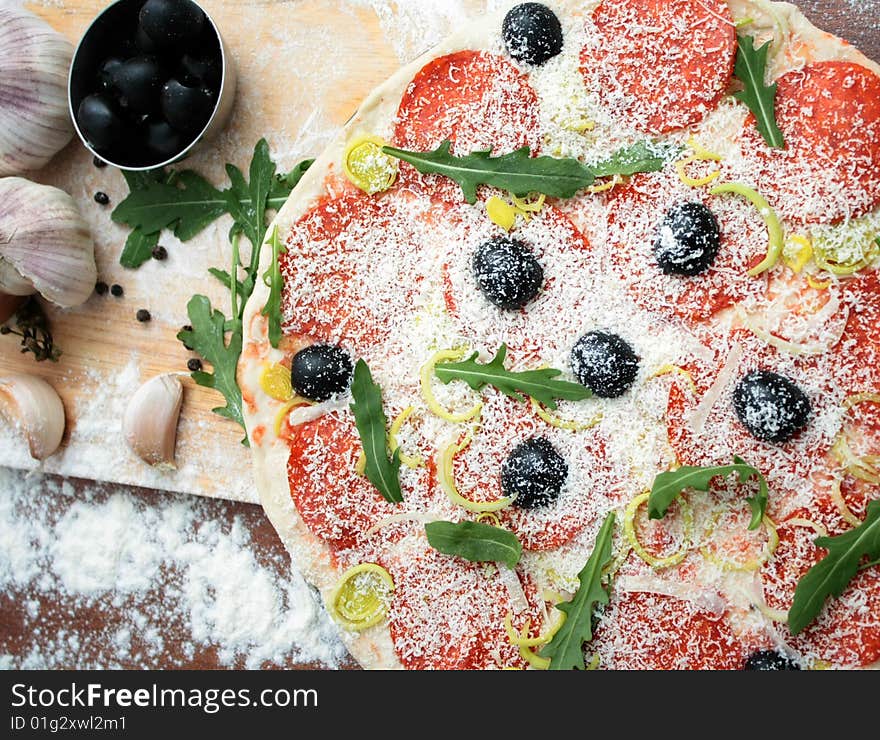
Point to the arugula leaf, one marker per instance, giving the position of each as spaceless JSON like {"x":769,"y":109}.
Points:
{"x":565,"y":650}
{"x":521,"y":173}
{"x":667,"y":487}
{"x":284,"y":184}
{"x":473,"y":541}
{"x":208,"y":338}
{"x":750,"y":68}
{"x":138,"y":248}
{"x":186,"y":202}
{"x":371,"y":423}
{"x":518,"y":172}
{"x":831,"y":575}
{"x":272,"y":276}
{"x":643,"y":156}
{"x":539,"y":384}
{"x":139,"y":245}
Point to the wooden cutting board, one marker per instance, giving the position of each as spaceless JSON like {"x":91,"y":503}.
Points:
{"x":304,"y":66}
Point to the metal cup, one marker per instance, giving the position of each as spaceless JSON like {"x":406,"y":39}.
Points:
{"x":90,"y":52}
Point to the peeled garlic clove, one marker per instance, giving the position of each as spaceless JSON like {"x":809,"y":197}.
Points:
{"x":150,"y":420}
{"x":34,"y":117}
{"x":45,"y":244}
{"x":9,"y":304}
{"x":34,"y":406}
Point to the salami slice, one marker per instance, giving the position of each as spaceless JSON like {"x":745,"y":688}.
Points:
{"x":703,"y":427}
{"x":829,"y":115}
{"x":354,"y":267}
{"x":448,"y":614}
{"x":636,"y":215}
{"x":659,"y":65}
{"x":658,"y":632}
{"x":847,"y":631}
{"x":550,"y":323}
{"x":588,"y":494}
{"x":477,"y":100}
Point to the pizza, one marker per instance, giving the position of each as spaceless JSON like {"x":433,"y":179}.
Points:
{"x":649,"y":299}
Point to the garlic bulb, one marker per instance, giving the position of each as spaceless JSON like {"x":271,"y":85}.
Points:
{"x":150,"y":421}
{"x":45,"y":245}
{"x":34,"y":406}
{"x":34,"y":116}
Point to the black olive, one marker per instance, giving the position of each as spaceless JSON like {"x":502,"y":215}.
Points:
{"x":532,"y":33}
{"x":106,"y":71}
{"x":534,"y":472}
{"x":137,"y":82}
{"x":604,"y":363}
{"x":196,"y":71}
{"x":770,"y":406}
{"x":144,"y":43}
{"x":687,"y":240}
{"x":171,"y":22}
{"x":770,"y":660}
{"x":163,"y":141}
{"x":507,"y":272}
{"x":321,"y":371}
{"x":187,"y":109}
{"x":99,"y":121}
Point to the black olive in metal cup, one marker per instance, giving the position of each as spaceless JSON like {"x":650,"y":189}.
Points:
{"x":150,"y":81}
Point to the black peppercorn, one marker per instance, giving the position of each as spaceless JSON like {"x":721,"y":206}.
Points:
{"x":102,"y":198}
{"x":159,"y":252}
{"x":99,"y":163}
{"x":143,"y":315}
{"x":116,"y":290}
{"x":101,"y":287}
{"x":4,"y":330}
{"x":194,"y":364}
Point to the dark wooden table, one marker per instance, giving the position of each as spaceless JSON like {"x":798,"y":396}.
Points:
{"x":858,"y":21}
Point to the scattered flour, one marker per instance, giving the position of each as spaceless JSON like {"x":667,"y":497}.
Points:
{"x":179,"y":578}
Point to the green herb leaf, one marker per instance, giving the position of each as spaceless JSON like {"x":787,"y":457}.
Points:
{"x":473,"y":541}
{"x":371,"y":423}
{"x":750,"y":68}
{"x":667,"y":487}
{"x":517,"y":172}
{"x":539,"y":384}
{"x":521,"y":173}
{"x":138,"y":248}
{"x":208,"y":338}
{"x":284,"y":184}
{"x":565,"y":650}
{"x":831,"y":575}
{"x":32,"y":326}
{"x":187,"y":203}
{"x":643,"y":156}
{"x":272,"y":276}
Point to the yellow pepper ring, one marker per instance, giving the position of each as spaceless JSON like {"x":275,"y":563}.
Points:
{"x":554,"y":420}
{"x":501,"y":213}
{"x":629,"y":529}
{"x":750,"y":565}
{"x":701,"y":152}
{"x":803,"y":255}
{"x":520,"y":641}
{"x":360,"y":600}
{"x":446,"y":476}
{"x":425,"y":375}
{"x":681,"y":169}
{"x":845,"y":511}
{"x":286,"y":409}
{"x":275,"y":382}
{"x":776,"y":237}
{"x":367,"y":166}
{"x":410,"y":462}
{"x":527,"y":654}
{"x":675,"y":369}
